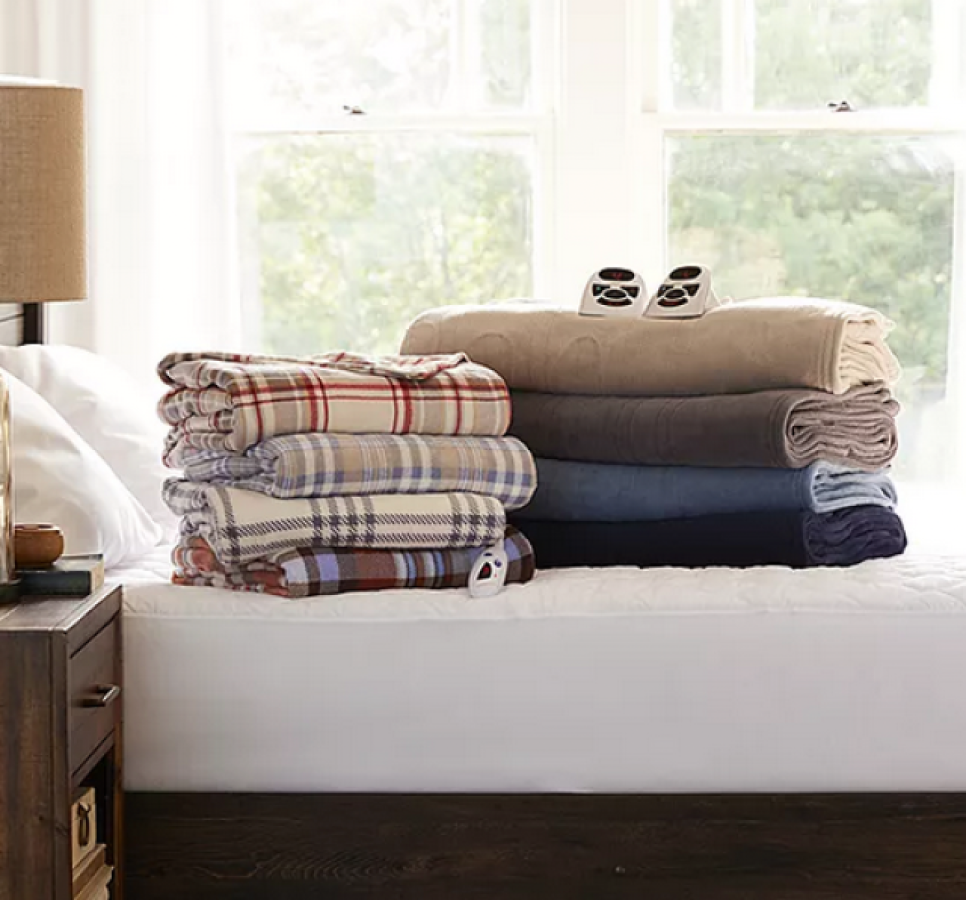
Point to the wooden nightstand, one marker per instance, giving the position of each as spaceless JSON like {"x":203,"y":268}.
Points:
{"x":60,"y":732}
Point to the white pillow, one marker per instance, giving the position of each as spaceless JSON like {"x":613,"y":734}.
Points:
{"x":100,"y":401}
{"x":58,"y":478}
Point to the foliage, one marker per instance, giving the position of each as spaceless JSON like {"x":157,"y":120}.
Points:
{"x":867,"y":219}
{"x":357,"y":234}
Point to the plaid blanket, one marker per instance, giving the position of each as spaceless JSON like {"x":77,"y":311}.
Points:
{"x":327,"y":465}
{"x":242,"y":526}
{"x":225,"y":403}
{"x":316,"y":572}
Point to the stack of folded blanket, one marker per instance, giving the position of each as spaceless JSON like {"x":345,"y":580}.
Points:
{"x":757,"y":434}
{"x":340,"y":472}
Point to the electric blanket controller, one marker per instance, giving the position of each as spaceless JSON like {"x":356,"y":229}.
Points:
{"x":685,"y":294}
{"x":488,"y":575}
{"x":614,"y":292}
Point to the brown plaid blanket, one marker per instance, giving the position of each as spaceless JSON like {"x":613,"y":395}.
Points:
{"x":327,"y":465}
{"x":308,"y":572}
{"x":241,"y":526}
{"x":225,"y":402}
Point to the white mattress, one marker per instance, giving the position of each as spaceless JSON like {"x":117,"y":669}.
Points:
{"x":621,"y":680}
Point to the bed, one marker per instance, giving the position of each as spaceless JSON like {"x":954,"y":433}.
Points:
{"x":714,"y":734}
{"x":599,"y":734}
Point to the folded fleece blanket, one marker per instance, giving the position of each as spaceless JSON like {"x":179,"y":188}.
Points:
{"x":754,"y":345}
{"x":595,"y":492}
{"x":796,"y":539}
{"x":308,"y":572}
{"x":241,"y":526}
{"x":326,"y":465}
{"x":783,"y":428}
{"x":225,"y":402}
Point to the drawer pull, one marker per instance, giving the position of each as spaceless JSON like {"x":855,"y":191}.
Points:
{"x":83,"y":824}
{"x":106,"y":695}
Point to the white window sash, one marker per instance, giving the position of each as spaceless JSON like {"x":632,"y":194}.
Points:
{"x":475,"y":123}
{"x":737,"y":54}
{"x":880,"y":121}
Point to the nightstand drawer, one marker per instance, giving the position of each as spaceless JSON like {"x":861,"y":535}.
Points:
{"x":94,"y":685}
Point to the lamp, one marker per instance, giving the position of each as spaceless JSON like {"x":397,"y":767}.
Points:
{"x":43,"y":229}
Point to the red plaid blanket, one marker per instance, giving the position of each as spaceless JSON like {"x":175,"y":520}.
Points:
{"x":227,"y":403}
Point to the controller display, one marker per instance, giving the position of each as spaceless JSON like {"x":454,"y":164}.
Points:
{"x":488,"y":575}
{"x":685,"y":294}
{"x":615,"y":292}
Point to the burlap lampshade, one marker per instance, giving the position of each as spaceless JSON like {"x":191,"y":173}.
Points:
{"x":43,"y":228}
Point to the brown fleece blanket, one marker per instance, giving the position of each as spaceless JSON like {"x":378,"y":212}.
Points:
{"x":773,"y":429}
{"x":754,"y":345}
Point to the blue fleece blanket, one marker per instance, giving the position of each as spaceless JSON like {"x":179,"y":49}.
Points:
{"x":594,"y":492}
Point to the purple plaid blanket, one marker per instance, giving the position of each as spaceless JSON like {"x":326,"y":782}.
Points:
{"x":327,"y":465}
{"x":310,"y":572}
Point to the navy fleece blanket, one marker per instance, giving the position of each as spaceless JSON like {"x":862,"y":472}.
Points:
{"x":596,"y":492}
{"x":796,"y":539}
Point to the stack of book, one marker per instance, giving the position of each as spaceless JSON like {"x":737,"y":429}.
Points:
{"x":92,"y":875}
{"x":69,"y":576}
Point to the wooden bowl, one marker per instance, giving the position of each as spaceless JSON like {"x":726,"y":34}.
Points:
{"x":37,"y":546}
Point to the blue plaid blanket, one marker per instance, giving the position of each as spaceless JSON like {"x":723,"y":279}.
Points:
{"x":329,"y":465}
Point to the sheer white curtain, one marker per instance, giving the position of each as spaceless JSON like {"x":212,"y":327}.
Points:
{"x":161,"y":223}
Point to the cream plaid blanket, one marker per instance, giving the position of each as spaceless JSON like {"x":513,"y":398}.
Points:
{"x":241,"y":526}
{"x":225,"y":403}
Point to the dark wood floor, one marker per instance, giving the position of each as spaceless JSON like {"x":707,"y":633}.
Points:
{"x":432,"y":847}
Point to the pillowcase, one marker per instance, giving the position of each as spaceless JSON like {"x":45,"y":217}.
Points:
{"x":101,"y":403}
{"x":58,"y":478}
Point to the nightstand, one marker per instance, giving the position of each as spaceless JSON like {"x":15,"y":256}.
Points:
{"x":60,"y":733}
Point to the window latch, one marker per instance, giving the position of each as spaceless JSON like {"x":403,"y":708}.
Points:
{"x":840,"y":106}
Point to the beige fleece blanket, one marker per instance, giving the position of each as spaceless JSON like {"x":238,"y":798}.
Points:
{"x":752,"y":345}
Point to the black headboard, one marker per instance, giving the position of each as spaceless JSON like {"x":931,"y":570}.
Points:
{"x":21,"y":324}
{"x":32,"y":323}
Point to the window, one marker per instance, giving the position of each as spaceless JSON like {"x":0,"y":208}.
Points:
{"x":394,"y":155}
{"x":386,"y":157}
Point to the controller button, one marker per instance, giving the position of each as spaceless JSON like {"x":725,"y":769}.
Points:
{"x":624,"y":301}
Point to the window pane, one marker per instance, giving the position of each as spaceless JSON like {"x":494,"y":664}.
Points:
{"x":505,"y":60}
{"x":344,"y":238}
{"x":874,"y":53}
{"x":316,"y":56}
{"x":696,"y":54}
{"x":863,"y":218}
